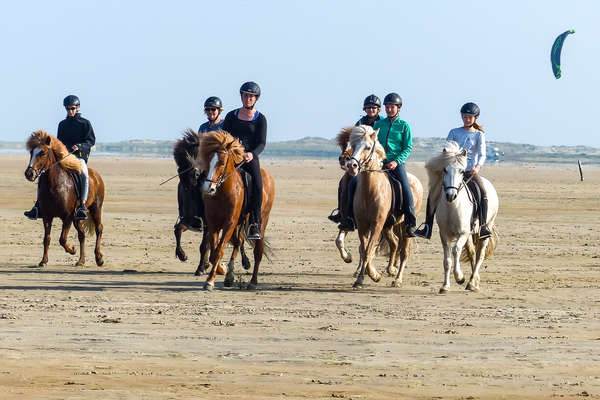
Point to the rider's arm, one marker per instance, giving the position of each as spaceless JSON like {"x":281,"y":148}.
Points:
{"x":261,"y":135}
{"x":481,"y":149}
{"x":405,"y":144}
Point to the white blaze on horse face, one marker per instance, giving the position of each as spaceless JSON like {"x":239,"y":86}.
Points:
{"x":452,"y":180}
{"x":353,"y":163}
{"x":209,"y":176}
{"x":34,"y":154}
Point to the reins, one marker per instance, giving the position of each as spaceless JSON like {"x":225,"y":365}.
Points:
{"x":175,"y":176}
{"x":40,"y":172}
{"x":224,"y":177}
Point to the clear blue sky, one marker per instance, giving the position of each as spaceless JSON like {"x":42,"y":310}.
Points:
{"x":143,"y":68}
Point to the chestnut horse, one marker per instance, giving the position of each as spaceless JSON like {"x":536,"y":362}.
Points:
{"x":185,"y":152}
{"x":223,"y":193}
{"x":372,"y":204}
{"x":51,"y":162}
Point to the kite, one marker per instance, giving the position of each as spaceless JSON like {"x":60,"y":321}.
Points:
{"x":555,"y":53}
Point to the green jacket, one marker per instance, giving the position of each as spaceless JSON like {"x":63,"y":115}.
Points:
{"x":396,"y":139}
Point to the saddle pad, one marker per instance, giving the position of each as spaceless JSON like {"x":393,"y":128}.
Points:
{"x":77,"y":182}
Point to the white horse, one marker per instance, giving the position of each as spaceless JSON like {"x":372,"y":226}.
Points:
{"x":453,"y":215}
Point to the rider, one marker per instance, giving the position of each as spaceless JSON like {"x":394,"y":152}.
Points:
{"x":250,"y":127}
{"x":77,"y":134}
{"x":371,"y":107}
{"x":213,"y":109}
{"x":471,"y":138}
{"x":395,"y":137}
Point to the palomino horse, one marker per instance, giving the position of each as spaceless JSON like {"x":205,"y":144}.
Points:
{"x":185,"y":151}
{"x":460,"y":238}
{"x":372,"y":205}
{"x":51,"y":162}
{"x":221,"y":155}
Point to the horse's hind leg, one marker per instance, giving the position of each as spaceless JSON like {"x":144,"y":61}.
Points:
{"x":392,"y":240}
{"x":96,"y":214}
{"x":203,"y":265}
{"x":81,"y":237}
{"x":178,"y":229}
{"x":404,"y":248}
{"x":47,"y":229}
{"x":361,"y":263}
{"x":63,"y":240}
{"x":473,"y":284}
{"x":341,"y":245}
{"x":236,"y":241}
{"x":259,"y":246}
{"x":245,"y":259}
{"x":447,"y":264}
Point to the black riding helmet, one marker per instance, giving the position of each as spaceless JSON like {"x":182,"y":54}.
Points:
{"x":372,"y":100}
{"x":393,"y":98}
{"x":71,"y":100}
{"x":250,"y":87}
{"x":470,"y":109}
{"x":213,"y":101}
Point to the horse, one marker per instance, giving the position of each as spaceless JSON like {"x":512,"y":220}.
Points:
{"x":372,"y":205}
{"x":185,"y":151}
{"x":51,"y":162}
{"x":221,"y":155}
{"x":460,"y":238}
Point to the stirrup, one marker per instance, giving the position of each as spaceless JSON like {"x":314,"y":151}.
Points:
{"x":337,"y":218}
{"x":347,"y":225}
{"x":424,"y":231}
{"x":81,"y":213}
{"x":253,"y":232}
{"x":410,"y":231}
{"x":32,"y":214}
{"x":484,"y":232}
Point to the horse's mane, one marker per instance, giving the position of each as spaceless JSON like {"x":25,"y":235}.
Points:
{"x":213,"y":141}
{"x":436,"y":164}
{"x":343,"y":138}
{"x":357,"y":134}
{"x":186,"y":148}
{"x":41,"y":138}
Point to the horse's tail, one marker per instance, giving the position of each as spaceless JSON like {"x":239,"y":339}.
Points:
{"x":89,"y":226}
{"x":468,"y":252}
{"x":492,"y":243}
{"x":267,"y":249}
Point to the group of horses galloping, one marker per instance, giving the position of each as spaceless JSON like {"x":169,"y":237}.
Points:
{"x":219,"y":155}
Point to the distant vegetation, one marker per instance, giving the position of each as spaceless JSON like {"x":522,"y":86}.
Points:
{"x":314,"y":147}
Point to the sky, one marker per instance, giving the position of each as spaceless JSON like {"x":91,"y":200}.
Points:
{"x":143,"y":69}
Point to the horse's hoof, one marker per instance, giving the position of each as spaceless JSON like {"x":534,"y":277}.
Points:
{"x":472,"y":288}
{"x":42,"y":264}
{"x":221,"y":269}
{"x":461,"y":280}
{"x":396,"y":283}
{"x":72,"y":251}
{"x":80,"y":263}
{"x":444,"y":290}
{"x":348,"y":259}
{"x":228,"y":282}
{"x":209,"y":286}
{"x":375,"y":279}
{"x":393,"y":271}
{"x":246,"y":264}
{"x":181,"y":256}
{"x":357,"y":285}
{"x":251,"y":286}
{"x":198,"y":272}
{"x":100,"y":261}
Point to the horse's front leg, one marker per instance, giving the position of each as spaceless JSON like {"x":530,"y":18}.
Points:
{"x":447,"y":264}
{"x":404,"y":250}
{"x":81,"y":237}
{"x":47,"y":229}
{"x":236,"y":241}
{"x":370,"y":252}
{"x":259,"y":246}
{"x":392,"y":241}
{"x":473,"y":284}
{"x":203,"y":264}
{"x":178,"y":229}
{"x":456,"y":252}
{"x":341,"y":245}
{"x":97,"y":215}
{"x":216,"y":253}
{"x":66,"y":225}
{"x":361,"y":263}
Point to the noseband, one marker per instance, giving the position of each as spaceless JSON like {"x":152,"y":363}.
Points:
{"x":366,"y":161}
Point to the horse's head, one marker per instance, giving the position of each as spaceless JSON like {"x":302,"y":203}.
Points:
{"x":453,"y":175}
{"x":41,"y":155}
{"x":219,"y":154}
{"x":365,"y":149}
{"x":185,"y":152}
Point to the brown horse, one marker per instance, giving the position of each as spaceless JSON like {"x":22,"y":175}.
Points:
{"x":223,"y":193}
{"x":51,"y":162}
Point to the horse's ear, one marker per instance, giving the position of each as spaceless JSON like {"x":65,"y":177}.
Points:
{"x":444,"y":151}
{"x":374,"y":134}
{"x":47,"y":140}
{"x":228,"y":145}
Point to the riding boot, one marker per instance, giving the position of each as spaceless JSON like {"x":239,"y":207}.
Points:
{"x":484,"y":231}
{"x":33,"y":214}
{"x":347,"y":221}
{"x":339,"y":215}
{"x":81,"y":211}
{"x":254,"y":228}
{"x":426,"y":228}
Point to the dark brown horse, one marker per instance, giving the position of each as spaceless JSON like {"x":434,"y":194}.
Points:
{"x":51,"y":162}
{"x":189,"y":192}
{"x":220,"y":155}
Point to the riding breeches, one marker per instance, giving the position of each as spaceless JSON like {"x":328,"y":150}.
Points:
{"x":85,"y":181}
{"x":255,"y":201}
{"x":476,"y":180}
{"x":408,"y":207}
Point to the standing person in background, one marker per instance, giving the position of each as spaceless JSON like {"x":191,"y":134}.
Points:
{"x":213,"y":109}
{"x":250,"y":127}
{"x":471,"y":138}
{"x":77,"y":134}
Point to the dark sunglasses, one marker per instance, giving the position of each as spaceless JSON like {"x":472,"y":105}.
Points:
{"x":211,"y":109}
{"x":371,"y":108}
{"x":71,"y":108}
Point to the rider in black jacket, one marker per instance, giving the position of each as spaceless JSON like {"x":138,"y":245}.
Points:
{"x":77,"y":134}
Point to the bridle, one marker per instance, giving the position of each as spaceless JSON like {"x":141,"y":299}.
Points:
{"x":463,"y":183}
{"x":225,"y":176}
{"x":366,"y":161}
{"x":39,"y":172}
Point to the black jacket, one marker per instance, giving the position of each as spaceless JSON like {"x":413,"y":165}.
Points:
{"x":252,"y":134}
{"x":77,"y":131}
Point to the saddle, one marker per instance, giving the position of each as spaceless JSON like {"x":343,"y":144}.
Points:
{"x":396,"y":206}
{"x":248,"y":188}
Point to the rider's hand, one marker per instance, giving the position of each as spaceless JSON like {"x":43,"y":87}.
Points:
{"x":248,"y":157}
{"x":75,"y":147}
{"x":391,"y":165}
{"x":475,"y":169}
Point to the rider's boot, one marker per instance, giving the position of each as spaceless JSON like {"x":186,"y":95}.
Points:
{"x":33,"y":214}
{"x":337,"y":214}
{"x":254,"y":228}
{"x":81,"y":211}
{"x":426,"y":228}
{"x":346,"y":224}
{"x":484,"y":231}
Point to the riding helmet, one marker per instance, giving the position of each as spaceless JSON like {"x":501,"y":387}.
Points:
{"x":470,"y":109}
{"x":393,"y":98}
{"x":213,"y":101}
{"x":71,"y":100}
{"x":372,"y":100}
{"x":250,"y":87}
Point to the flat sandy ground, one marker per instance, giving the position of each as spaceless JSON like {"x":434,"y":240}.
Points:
{"x":533,"y":331}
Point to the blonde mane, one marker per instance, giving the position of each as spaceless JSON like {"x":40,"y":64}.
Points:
{"x":55,"y":147}
{"x":452,"y":153}
{"x":357,"y":135}
{"x":214,"y":141}
{"x":343,"y":138}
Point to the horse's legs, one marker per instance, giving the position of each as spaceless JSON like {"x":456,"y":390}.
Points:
{"x":47,"y":229}
{"x":339,"y":242}
{"x":96,"y":214}
{"x":259,"y":247}
{"x":66,"y":225}
{"x":456,"y":252}
{"x":447,"y":264}
{"x":236,"y":241}
{"x":370,"y":252}
{"x":392,"y":240}
{"x":245,"y":259}
{"x":81,"y":237}
{"x":361,"y":263}
{"x":473,"y":284}
{"x":203,"y":264}
{"x":403,"y":256}
{"x":178,"y":229}
{"x":216,"y":253}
